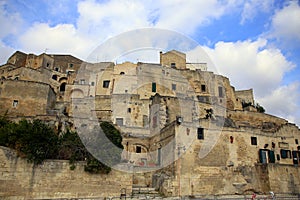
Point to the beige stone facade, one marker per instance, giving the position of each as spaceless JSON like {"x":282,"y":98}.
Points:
{"x":187,"y":129}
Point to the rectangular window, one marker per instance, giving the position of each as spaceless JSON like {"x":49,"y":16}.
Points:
{"x":285,"y":153}
{"x":138,"y":149}
{"x":203,"y":88}
{"x":106,"y":84}
{"x":173,"y":65}
{"x":200,"y":134}
{"x":92,"y":83}
{"x":119,"y":121}
{"x":129,"y":110}
{"x":296,"y":141}
{"x":15,"y":103}
{"x":82,"y":81}
{"x":173,"y":87}
{"x":253,"y":141}
{"x":220,"y":91}
{"x":70,"y":65}
{"x":153,"y":87}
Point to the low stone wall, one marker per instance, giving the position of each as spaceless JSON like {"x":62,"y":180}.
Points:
{"x":54,"y":179}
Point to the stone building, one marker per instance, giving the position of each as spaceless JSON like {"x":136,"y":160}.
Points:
{"x":185,"y":126}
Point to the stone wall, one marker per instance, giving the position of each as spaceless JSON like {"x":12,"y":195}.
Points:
{"x":54,"y":179}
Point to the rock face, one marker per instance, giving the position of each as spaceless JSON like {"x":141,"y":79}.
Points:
{"x":186,"y":131}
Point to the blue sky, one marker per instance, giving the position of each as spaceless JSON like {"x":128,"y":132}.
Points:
{"x":255,"y":43}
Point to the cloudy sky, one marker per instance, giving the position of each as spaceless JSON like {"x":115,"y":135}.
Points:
{"x":253,"y":42}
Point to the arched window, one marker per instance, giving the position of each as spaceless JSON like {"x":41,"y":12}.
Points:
{"x":122,"y":73}
{"x":62,"y":87}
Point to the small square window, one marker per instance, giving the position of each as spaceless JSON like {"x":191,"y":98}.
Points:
{"x":200,"y":134}
{"x":92,"y":83}
{"x":15,"y":103}
{"x":173,"y":65}
{"x":173,"y":87}
{"x":70,"y":65}
{"x":253,"y":140}
{"x":106,"y":84}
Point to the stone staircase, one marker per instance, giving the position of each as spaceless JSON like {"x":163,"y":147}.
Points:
{"x":144,"y":192}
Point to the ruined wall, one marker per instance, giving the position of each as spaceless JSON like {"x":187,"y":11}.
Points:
{"x":245,"y":95}
{"x":54,"y":179}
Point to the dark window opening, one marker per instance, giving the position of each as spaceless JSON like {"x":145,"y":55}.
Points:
{"x":278,"y":157}
{"x":129,"y":110}
{"x":92,"y":83}
{"x":221,"y":91}
{"x":54,"y":77}
{"x":138,"y":149}
{"x":70,"y":65}
{"x":56,"y":69}
{"x":173,"y":87}
{"x":153,"y":87}
{"x":48,"y":64}
{"x":296,"y":141}
{"x":253,"y":141}
{"x":203,"y":88}
{"x":285,"y":153}
{"x":62,"y":87}
{"x":106,"y":84}
{"x":200,"y":134}
{"x":15,"y":103}
{"x":122,"y":73}
{"x":173,"y":65}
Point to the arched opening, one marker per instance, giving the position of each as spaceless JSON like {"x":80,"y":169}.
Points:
{"x":77,"y":93}
{"x":62,"y":87}
{"x":122,"y":73}
{"x":63,"y":79}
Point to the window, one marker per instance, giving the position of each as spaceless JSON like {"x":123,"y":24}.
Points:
{"x":173,"y":65}
{"x":70,"y":65}
{"x":200,"y":134}
{"x":82,"y":81}
{"x":220,"y":91}
{"x":153,"y":87}
{"x":173,"y":87}
{"x":129,"y":110}
{"x":56,"y":69}
{"x":253,"y":141}
{"x":138,"y":149}
{"x":48,"y":64}
{"x":92,"y":83}
{"x":54,"y":77}
{"x":15,"y":103}
{"x":106,"y":84}
{"x":296,"y":141}
{"x":285,"y":153}
{"x":119,"y":121}
{"x":203,"y":88}
{"x":62,"y":87}
{"x":122,"y":73}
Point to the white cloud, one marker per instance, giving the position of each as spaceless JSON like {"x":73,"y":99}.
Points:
{"x":250,"y":64}
{"x":10,"y":22}
{"x":59,"y":39}
{"x":283,"y":102}
{"x":286,"y":23}
{"x":252,"y":7}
